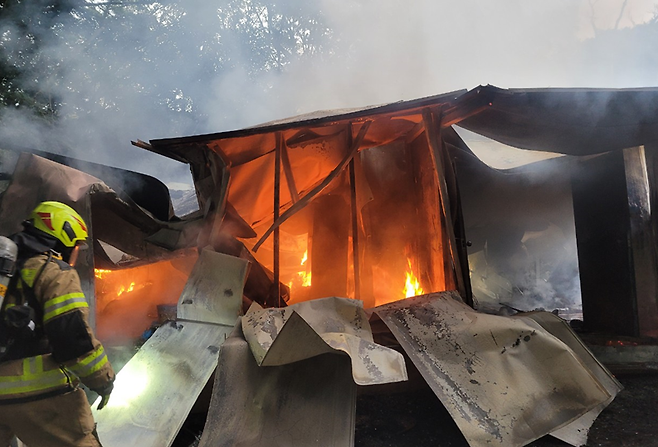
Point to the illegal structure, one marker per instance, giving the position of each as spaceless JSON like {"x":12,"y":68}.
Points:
{"x":313,"y":230}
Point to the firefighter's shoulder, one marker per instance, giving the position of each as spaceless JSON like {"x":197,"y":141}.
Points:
{"x":62,"y":265}
{"x":37,"y":262}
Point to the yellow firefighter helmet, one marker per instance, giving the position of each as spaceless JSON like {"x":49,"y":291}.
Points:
{"x":59,"y":221}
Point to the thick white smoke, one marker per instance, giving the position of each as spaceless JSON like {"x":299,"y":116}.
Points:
{"x":141,"y":76}
{"x":193,"y":67}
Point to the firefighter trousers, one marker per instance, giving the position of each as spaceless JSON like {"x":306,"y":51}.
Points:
{"x":59,"y":421}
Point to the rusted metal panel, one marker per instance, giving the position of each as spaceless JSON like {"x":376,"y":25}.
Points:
{"x":302,"y":404}
{"x":505,"y":381}
{"x":308,"y":329}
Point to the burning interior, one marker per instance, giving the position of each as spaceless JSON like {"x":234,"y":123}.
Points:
{"x":375,"y":206}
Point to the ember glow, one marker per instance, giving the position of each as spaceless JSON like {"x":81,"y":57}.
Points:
{"x":412,"y":285}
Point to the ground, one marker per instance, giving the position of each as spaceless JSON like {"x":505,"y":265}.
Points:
{"x":417,"y":418}
{"x":403,"y":417}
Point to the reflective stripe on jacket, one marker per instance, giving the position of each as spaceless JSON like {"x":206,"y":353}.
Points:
{"x":62,"y":304}
{"x":63,"y":309}
{"x":32,"y":376}
{"x":90,"y":364}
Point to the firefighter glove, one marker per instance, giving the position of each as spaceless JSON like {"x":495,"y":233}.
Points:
{"x":104,"y":393}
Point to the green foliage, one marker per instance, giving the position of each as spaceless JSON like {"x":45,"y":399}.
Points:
{"x":77,"y":57}
{"x":24,"y":26}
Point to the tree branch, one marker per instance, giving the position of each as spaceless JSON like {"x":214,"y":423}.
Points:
{"x":621,"y":13}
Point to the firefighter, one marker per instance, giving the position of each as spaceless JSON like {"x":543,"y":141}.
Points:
{"x":46,"y":344}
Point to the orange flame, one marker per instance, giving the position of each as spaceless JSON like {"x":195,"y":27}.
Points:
{"x":303,"y":277}
{"x":99,"y":273}
{"x":412,"y":285}
{"x":122,"y":289}
{"x":105,"y":274}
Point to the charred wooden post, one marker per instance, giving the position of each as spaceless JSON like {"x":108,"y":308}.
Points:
{"x":602,"y":218}
{"x":355,"y":224}
{"x":355,"y":233}
{"x":642,"y":238}
{"x":277,"y":205}
{"x":315,"y":191}
{"x":432,"y":126}
{"x":649,"y":302}
{"x":331,"y":217}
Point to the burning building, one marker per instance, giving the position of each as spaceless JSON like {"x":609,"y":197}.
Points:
{"x":351,"y":232}
{"x":349,"y":205}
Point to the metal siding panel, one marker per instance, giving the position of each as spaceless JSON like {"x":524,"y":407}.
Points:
{"x":156,"y":389}
{"x":308,"y":329}
{"x":303,"y":404}
{"x":213,"y":293}
{"x":505,"y":382}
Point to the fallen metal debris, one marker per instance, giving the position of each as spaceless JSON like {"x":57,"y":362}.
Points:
{"x":505,"y":381}
{"x":284,"y":379}
{"x":213,"y":292}
{"x":577,"y":431}
{"x":307,"y":403}
{"x":156,"y":389}
{"x":304,"y":330}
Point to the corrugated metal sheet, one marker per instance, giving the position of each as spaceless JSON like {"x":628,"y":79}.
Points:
{"x":302,"y":404}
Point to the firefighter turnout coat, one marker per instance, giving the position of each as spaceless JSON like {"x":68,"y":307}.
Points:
{"x":63,"y":350}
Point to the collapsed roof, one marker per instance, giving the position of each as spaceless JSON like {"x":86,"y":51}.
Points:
{"x":566,"y":121}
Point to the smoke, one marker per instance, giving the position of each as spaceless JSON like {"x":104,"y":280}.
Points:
{"x":179,"y":68}
{"x":183,"y":68}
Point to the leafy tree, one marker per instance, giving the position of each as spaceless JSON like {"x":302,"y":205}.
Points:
{"x":24,"y":26}
{"x":70,"y":58}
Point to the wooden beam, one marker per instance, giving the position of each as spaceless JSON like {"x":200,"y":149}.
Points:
{"x":287,"y":170}
{"x":432,"y":126}
{"x":315,"y":191}
{"x":217,"y":207}
{"x":355,"y":226}
{"x":414,"y":133}
{"x":277,"y":206}
{"x":470,"y":104}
